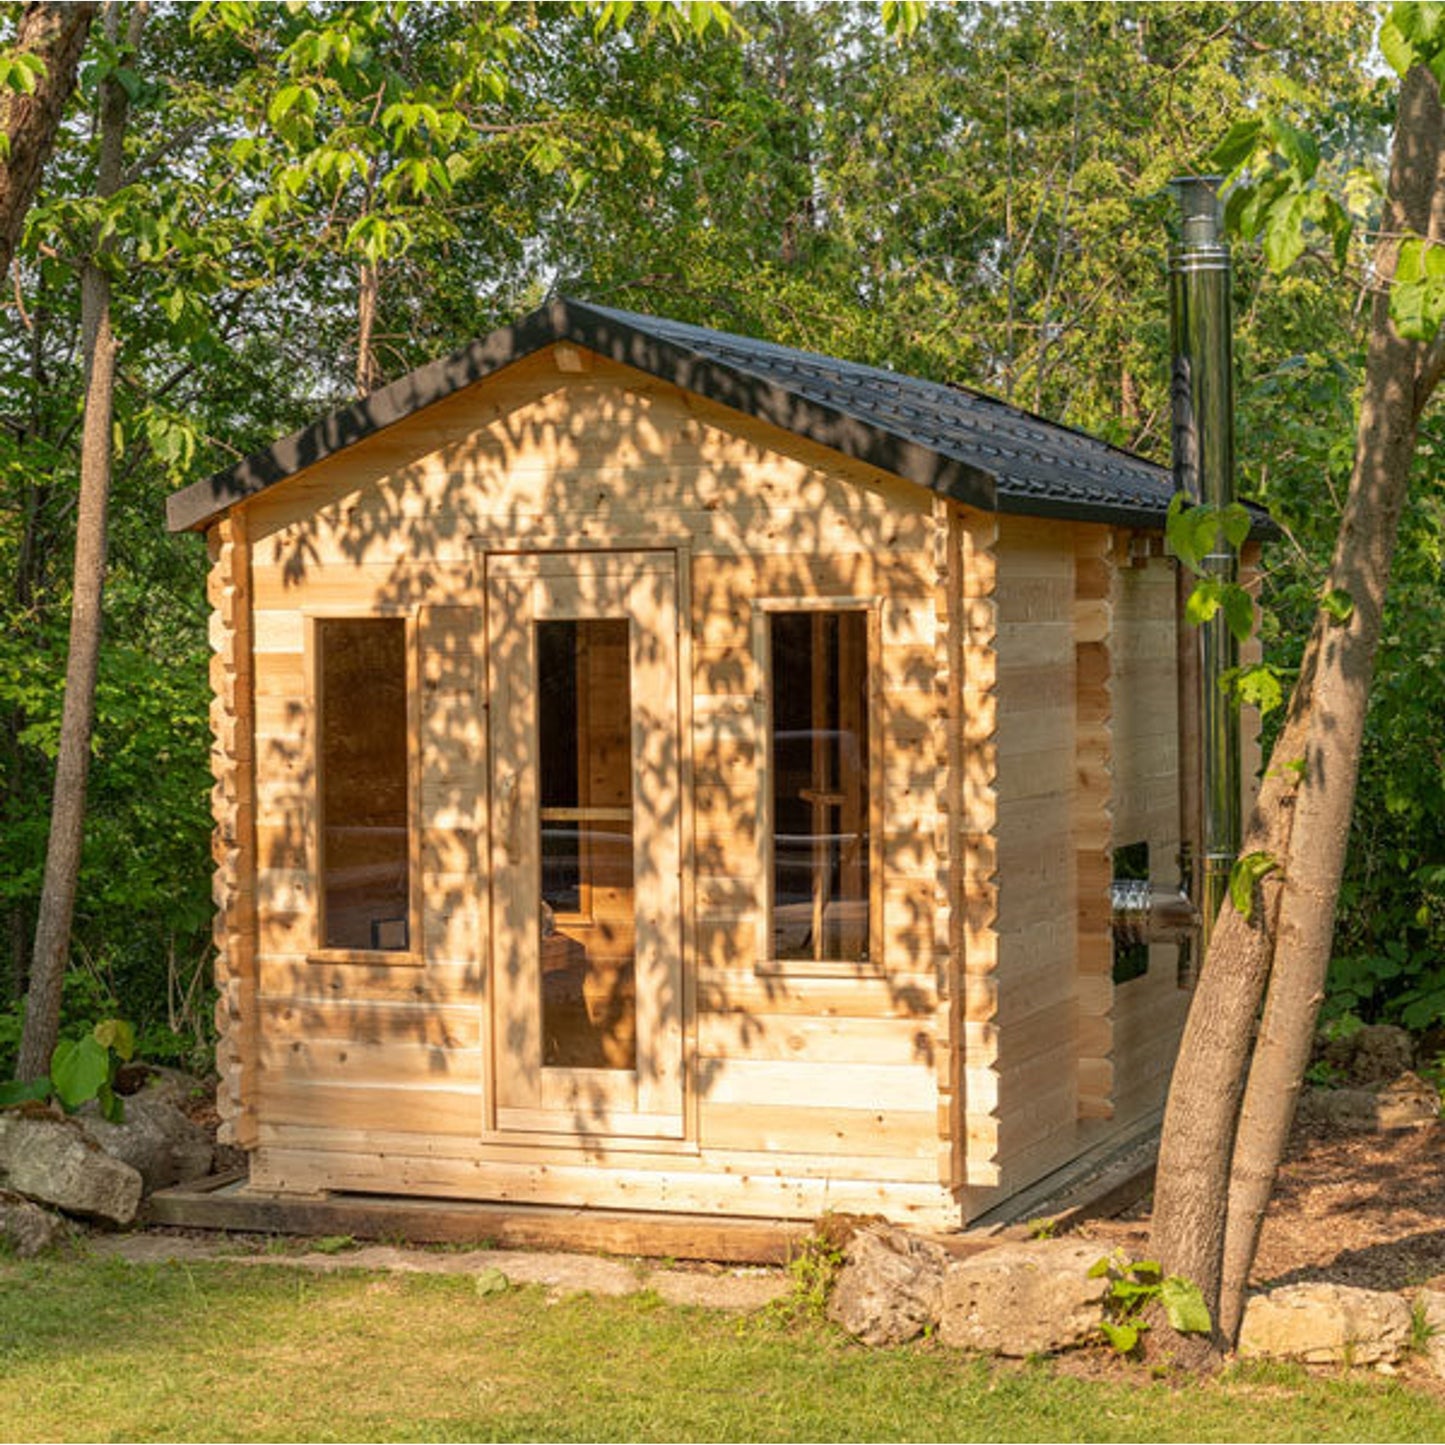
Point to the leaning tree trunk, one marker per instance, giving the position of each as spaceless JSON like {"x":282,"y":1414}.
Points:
{"x":1384,"y":451}
{"x":72,"y":764}
{"x":55,"y":34}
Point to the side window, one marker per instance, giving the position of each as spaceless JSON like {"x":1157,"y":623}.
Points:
{"x":818,"y":792}
{"x":1130,"y":897}
{"x":367,"y":869}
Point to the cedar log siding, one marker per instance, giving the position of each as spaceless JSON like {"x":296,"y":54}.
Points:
{"x":803,"y":1093}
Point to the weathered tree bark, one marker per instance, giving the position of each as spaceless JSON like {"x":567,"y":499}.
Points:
{"x":56,"y":34}
{"x":72,"y":764}
{"x":1384,"y":451}
{"x":368,"y":293}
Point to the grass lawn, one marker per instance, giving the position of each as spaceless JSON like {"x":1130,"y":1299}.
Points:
{"x":99,"y":1349}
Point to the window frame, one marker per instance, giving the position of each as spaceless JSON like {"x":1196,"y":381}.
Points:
{"x":763,"y":610}
{"x":413,"y":956}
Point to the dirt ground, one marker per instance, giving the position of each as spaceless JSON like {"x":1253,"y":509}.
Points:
{"x":1357,"y":1209}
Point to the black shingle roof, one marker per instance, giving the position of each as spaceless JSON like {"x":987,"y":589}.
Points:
{"x":950,"y":439}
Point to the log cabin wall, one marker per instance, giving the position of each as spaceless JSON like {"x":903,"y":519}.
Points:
{"x":807,"y":1089}
{"x":1149,"y":1010}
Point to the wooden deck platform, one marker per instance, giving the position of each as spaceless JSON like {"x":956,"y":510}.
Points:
{"x":228,"y":1202}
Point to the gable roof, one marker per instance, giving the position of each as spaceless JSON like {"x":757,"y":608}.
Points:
{"x":961,"y":443}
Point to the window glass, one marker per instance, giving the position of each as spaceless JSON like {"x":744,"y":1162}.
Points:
{"x":820,"y":785}
{"x":587,"y":915}
{"x":365,"y":841}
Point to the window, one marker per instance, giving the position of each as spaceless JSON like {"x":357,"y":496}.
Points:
{"x":367,"y":870}
{"x":817,"y":794}
{"x":1130,"y":898}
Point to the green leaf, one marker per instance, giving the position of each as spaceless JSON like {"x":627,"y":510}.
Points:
{"x":1398,"y":52}
{"x":1259,"y":686}
{"x":1235,"y":522}
{"x":112,"y":1107}
{"x":1204,"y":601}
{"x":1238,"y":611}
{"x":1184,"y":1304}
{"x":492,"y":1281}
{"x":17,"y":1091}
{"x":116,"y":1034}
{"x":1243,"y":877}
{"x":1236,"y":147}
{"x":1122,"y":1338}
{"x":1338,"y":606}
{"x":1100,"y":1268}
{"x":1284,"y":234}
{"x":78,"y":1069}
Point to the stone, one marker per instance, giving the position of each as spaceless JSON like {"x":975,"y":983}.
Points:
{"x":25,"y":1227}
{"x":1325,"y":1324}
{"x":1403,"y":1103}
{"x":1431,"y":1305}
{"x":50,"y":1159}
{"x":1027,"y":1299}
{"x":1406,"y":1102}
{"x":890,"y":1287}
{"x":1374,"y":1054}
{"x":154,"y":1137}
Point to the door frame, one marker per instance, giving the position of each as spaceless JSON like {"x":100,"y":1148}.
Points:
{"x":555,"y":1122}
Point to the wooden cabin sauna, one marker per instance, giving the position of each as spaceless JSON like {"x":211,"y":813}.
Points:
{"x":659,"y":770}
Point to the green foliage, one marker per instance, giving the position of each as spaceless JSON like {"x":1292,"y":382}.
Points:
{"x":1134,"y":1286}
{"x":81,"y":1069}
{"x":1244,"y":878}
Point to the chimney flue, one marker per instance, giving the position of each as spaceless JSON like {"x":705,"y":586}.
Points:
{"x":1203,"y":428}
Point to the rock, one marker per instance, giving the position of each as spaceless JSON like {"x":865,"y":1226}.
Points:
{"x":1431,"y":1304}
{"x":890,"y":1287}
{"x":1374,"y":1054}
{"x":50,"y":1159}
{"x":1326,"y":1324}
{"x":25,"y":1227}
{"x":1401,"y":1104}
{"x":1339,"y":1108}
{"x":1407,"y":1101}
{"x":154,"y":1137}
{"x":1029,"y":1299}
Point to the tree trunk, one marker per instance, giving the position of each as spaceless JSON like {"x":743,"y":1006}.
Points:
{"x":368,"y":293}
{"x":1384,"y":451}
{"x":72,"y":764}
{"x":55,"y":34}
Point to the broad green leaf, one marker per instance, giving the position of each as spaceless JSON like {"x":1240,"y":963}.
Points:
{"x":1100,"y":1268}
{"x":1259,"y":686}
{"x":1238,"y":611}
{"x":1247,"y":872}
{"x":1398,"y":52}
{"x":1338,"y":605}
{"x":1235,"y":522}
{"x":1184,"y":1304}
{"x":116,"y":1034}
{"x":1123,"y":1338}
{"x":1204,"y":601}
{"x":78,"y":1068}
{"x":1236,"y":147}
{"x":1284,"y":235}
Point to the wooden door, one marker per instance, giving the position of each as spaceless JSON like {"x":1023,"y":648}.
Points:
{"x":586,"y":843}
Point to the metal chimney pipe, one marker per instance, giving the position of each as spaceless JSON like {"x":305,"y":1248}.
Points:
{"x":1203,"y":402}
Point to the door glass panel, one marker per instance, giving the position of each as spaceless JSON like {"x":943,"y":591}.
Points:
{"x":820,"y":785}
{"x":586,"y":918}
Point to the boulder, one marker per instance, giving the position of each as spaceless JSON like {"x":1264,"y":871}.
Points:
{"x":1431,"y":1305}
{"x":1028,"y":1299}
{"x":1374,"y":1054}
{"x":50,"y":1159}
{"x":1403,"y":1103}
{"x":1407,"y":1101}
{"x":1326,"y":1324}
{"x":154,"y":1137}
{"x":26,"y":1228}
{"x":890,"y":1286}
